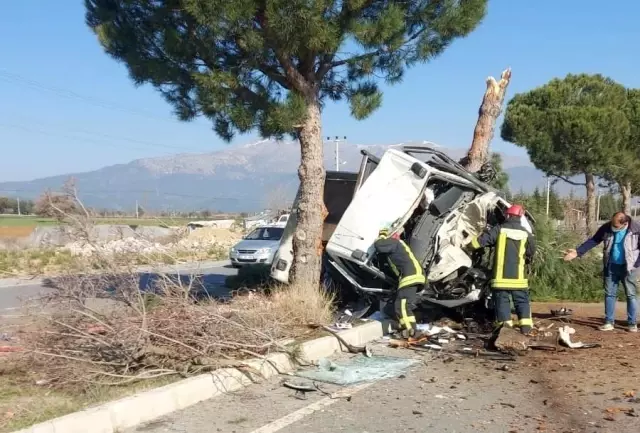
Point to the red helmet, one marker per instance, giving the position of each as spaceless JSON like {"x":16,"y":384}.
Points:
{"x":515,"y":210}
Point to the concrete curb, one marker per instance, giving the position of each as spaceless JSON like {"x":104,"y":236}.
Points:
{"x":146,"y":406}
{"x":167,"y":269}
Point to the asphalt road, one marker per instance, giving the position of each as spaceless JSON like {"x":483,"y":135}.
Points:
{"x":435,"y":395}
{"x":13,"y":293}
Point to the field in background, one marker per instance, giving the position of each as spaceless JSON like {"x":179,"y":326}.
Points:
{"x":11,"y":221}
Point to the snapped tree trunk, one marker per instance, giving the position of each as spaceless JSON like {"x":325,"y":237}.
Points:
{"x":307,"y":239}
{"x":590,"y":214}
{"x":489,"y":111}
{"x":625,"y":189}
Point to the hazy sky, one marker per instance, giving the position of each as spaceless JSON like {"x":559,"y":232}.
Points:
{"x":65,"y":106}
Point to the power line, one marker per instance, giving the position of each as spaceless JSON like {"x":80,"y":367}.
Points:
{"x":31,"y":129}
{"x":20,"y":80}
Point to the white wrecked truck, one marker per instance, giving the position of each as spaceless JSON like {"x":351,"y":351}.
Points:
{"x":434,"y":201}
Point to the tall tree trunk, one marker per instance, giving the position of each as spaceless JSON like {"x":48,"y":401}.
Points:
{"x":590,"y":215}
{"x":307,"y":239}
{"x":489,"y":111}
{"x":626,"y":197}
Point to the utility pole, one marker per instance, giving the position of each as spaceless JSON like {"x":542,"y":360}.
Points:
{"x":548,"y":193}
{"x":18,"y":201}
{"x":137,"y":207}
{"x":337,"y":141}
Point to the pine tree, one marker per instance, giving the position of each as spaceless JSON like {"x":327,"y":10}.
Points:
{"x":271,"y":65}
{"x":556,"y":210}
{"x":571,"y":126}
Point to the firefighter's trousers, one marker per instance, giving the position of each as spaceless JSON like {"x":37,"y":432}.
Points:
{"x":502,"y":305}
{"x":404,"y":305}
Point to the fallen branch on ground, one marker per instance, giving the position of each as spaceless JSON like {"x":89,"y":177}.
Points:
{"x":106,"y":329}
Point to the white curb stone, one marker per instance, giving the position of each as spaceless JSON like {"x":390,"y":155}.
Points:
{"x":146,"y":406}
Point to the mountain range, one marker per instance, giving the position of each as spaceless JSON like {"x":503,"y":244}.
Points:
{"x":246,"y":177}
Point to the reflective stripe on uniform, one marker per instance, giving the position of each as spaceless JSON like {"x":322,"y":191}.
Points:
{"x":508,"y":323}
{"x":418,"y":277}
{"x":526,"y":322}
{"x":521,"y":251}
{"x":405,"y":319}
{"x":475,"y":244}
{"x":393,"y":267}
{"x":516,"y":235}
{"x":499,"y":281}
{"x":510,"y":283}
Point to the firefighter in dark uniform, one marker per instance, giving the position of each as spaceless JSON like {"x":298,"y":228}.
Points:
{"x":514,"y":250}
{"x":410,"y":278}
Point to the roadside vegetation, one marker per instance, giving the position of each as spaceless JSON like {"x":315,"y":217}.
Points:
{"x":552,"y":279}
{"x":57,"y":261}
{"x":100,"y":336}
{"x":34,"y":221}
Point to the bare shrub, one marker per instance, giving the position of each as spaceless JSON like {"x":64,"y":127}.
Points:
{"x":103,"y":328}
{"x":132,"y":334}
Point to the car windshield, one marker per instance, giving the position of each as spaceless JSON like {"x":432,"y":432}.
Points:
{"x":265,"y":234}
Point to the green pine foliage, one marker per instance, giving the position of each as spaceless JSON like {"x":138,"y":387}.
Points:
{"x":569,"y":126}
{"x":255,"y":64}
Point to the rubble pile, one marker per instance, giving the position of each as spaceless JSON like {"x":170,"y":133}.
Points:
{"x":196,"y":241}
{"x":118,"y":246}
{"x":503,"y":344}
{"x":208,"y":237}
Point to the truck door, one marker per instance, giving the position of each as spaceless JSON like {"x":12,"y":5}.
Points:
{"x":386,"y":198}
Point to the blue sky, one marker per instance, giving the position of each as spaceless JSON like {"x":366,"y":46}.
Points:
{"x":66,"y":107}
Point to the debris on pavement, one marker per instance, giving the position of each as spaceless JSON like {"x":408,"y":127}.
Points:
{"x":300,"y":388}
{"x":350,"y":347}
{"x":357,"y":370}
{"x":509,"y":340}
{"x":562,"y":312}
{"x":564,"y":335}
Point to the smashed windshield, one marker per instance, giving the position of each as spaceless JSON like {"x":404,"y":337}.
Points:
{"x":265,"y":234}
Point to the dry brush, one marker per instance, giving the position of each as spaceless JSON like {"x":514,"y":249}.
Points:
{"x":106,"y":328}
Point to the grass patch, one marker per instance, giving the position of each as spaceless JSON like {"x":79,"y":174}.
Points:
{"x":24,"y":403}
{"x":35,"y":262}
{"x":56,"y":261}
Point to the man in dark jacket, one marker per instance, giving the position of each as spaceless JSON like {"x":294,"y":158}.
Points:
{"x":621,"y":262}
{"x":514,"y":249}
{"x":410,"y":278}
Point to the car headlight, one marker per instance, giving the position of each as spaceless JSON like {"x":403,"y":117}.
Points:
{"x":264,"y":251}
{"x":232,"y":250}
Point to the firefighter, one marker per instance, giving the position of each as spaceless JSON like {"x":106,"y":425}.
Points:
{"x":514,"y":249}
{"x":410,"y":278}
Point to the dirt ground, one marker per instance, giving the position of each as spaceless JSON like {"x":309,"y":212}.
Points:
{"x":14,"y":232}
{"x":579,"y":390}
{"x":602,"y":380}
{"x":570,"y":390}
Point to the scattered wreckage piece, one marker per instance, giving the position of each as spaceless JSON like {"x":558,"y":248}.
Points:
{"x":511,"y":341}
{"x":301,"y":389}
{"x":366,"y":350}
{"x":562,"y":312}
{"x":357,"y":369}
{"x":564,"y":336}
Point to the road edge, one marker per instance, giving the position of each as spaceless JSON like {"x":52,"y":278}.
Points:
{"x":114,"y":416}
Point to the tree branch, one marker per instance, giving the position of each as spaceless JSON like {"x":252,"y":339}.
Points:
{"x":372,"y":53}
{"x":569,"y":181}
